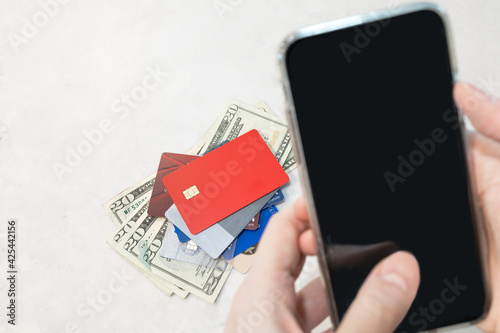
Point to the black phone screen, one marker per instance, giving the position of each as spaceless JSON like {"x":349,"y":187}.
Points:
{"x":385,"y":159}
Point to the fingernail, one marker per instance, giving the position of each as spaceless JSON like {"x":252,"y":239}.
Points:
{"x":391,"y":274}
{"x":396,"y":280}
{"x":479,"y":93}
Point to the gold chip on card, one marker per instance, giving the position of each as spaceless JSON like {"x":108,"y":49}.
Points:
{"x":191,"y":192}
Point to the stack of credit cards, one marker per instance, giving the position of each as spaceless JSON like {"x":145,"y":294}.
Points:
{"x":204,"y":210}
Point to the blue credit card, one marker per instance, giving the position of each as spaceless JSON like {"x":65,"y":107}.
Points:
{"x":276,"y":199}
{"x":182,"y":237}
{"x":249,"y":238}
{"x":228,"y":254}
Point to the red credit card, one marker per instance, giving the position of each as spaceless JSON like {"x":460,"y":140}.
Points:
{"x":160,"y":198}
{"x":225,"y":180}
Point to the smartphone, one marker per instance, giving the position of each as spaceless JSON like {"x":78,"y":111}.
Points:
{"x":383,"y":160}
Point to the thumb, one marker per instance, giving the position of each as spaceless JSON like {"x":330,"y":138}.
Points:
{"x":385,"y":297}
{"x":482,"y":109}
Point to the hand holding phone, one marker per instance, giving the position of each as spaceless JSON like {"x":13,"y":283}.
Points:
{"x":383,"y":158}
{"x":258,"y":305}
{"x":375,"y":86}
{"x":484,"y":112}
{"x":267,"y":300}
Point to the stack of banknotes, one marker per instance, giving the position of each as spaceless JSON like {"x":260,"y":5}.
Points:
{"x":186,"y":253}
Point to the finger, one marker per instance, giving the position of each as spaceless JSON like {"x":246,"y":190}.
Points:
{"x":301,"y":209}
{"x":279,"y":255}
{"x":385,"y":297}
{"x":482,"y":110}
{"x":311,"y":304}
{"x":307,"y":242}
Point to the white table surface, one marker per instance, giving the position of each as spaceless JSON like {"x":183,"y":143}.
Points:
{"x":63,"y":78}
